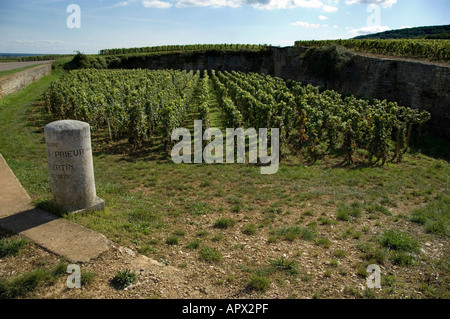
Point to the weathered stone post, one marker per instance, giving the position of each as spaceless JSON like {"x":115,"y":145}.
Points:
{"x":71,"y":170}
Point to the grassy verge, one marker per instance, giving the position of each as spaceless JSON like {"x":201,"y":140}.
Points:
{"x":22,"y":141}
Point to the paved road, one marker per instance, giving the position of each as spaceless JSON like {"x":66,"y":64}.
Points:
{"x":5,"y":66}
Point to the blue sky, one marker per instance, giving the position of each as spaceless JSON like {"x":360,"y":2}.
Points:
{"x":40,"y":26}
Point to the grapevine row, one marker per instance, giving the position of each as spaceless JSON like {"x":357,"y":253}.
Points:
{"x":234,"y":117}
{"x":190,"y":47}
{"x":126,"y":103}
{"x":434,"y":50}
{"x":323,"y":122}
{"x":203,"y":106}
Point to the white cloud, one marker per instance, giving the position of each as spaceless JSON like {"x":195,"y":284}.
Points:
{"x":283,"y":42}
{"x":383,"y":3}
{"x":305,"y":24}
{"x":327,"y":8}
{"x":323,"y":18}
{"x":258,"y":4}
{"x":367,"y":30}
{"x":208,"y":3}
{"x":122,"y":4}
{"x":286,"y":4}
{"x":156,"y":4}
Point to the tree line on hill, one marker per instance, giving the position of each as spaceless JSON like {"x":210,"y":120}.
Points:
{"x":428,"y":32}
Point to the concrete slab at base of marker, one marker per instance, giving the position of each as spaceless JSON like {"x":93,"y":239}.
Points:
{"x":58,"y":235}
{"x":69,"y":154}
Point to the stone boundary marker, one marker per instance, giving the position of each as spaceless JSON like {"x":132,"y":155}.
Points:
{"x":58,"y":235}
{"x":70,"y":165}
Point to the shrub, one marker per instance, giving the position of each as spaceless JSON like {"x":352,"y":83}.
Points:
{"x":324,"y":242}
{"x":285,"y":264}
{"x":123,"y":279}
{"x":342,"y":215}
{"x":259,"y":283}
{"x":402,"y":258}
{"x":10,"y":246}
{"x":172,"y":240}
{"x":373,"y":208}
{"x":193,"y":244}
{"x":340,"y":253}
{"x":398,"y":241}
{"x":199,"y":208}
{"x":290,"y":233}
{"x":249,"y":229}
{"x":347,"y":212}
{"x":179,"y":232}
{"x":210,"y":254}
{"x":21,"y":285}
{"x":372,"y":254}
{"x":224,"y":222}
{"x":86,"y":277}
{"x":307,"y":234}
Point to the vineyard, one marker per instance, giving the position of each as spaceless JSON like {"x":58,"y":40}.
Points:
{"x":141,"y":104}
{"x":184,"y":48}
{"x":434,"y":50}
{"x":230,"y":231}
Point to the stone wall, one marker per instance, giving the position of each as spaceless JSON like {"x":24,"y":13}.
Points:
{"x":17,"y":81}
{"x":208,"y":60}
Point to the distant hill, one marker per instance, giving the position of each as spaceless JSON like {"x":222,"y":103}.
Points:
{"x":430,"y":32}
